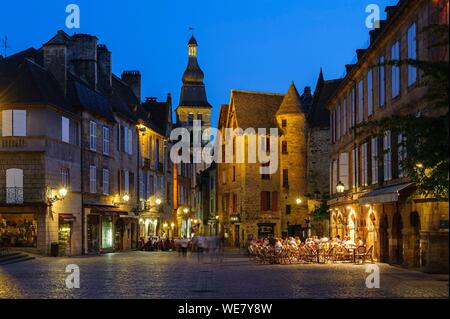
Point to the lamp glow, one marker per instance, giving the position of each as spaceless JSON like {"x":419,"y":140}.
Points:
{"x":158,"y":201}
{"x":63,"y":192}
{"x":126,"y":198}
{"x":340,"y":187}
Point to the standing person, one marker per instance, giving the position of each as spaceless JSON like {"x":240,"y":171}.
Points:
{"x":184,"y":246}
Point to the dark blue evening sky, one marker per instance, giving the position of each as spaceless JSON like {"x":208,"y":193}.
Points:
{"x":259,"y":45}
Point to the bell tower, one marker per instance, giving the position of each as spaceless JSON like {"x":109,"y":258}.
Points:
{"x":194,"y":103}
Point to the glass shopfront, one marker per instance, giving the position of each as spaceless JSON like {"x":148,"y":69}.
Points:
{"x":65,"y":239}
{"x":93,"y":233}
{"x":107,"y":232}
{"x":18,"y":230}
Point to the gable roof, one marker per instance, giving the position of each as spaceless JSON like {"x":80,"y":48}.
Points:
{"x":256,"y":110}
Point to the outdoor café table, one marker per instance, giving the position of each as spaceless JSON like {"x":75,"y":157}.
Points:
{"x":352,"y":249}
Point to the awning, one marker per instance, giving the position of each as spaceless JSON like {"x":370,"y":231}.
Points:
{"x":388,"y":194}
{"x":67,"y":218}
{"x":107,"y":210}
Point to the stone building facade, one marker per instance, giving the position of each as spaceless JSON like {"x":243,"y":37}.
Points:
{"x":251,"y":203}
{"x":75,"y":128}
{"x":36,"y":159}
{"x":376,"y":203}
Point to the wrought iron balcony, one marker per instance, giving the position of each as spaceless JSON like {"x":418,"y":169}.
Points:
{"x":14,"y":195}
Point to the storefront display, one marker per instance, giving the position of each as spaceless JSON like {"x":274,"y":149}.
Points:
{"x":19,"y":230}
{"x":65,"y":235}
{"x":93,"y":233}
{"x":107,"y":232}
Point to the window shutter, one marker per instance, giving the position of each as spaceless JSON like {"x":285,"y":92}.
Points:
{"x":7,"y":124}
{"x":263,"y":201}
{"x":275,"y":201}
{"x":130,"y":141}
{"x":119,"y":138}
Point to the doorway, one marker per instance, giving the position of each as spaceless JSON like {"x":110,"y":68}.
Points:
{"x":397,"y":235}
{"x":417,"y":251}
{"x":384,"y":239}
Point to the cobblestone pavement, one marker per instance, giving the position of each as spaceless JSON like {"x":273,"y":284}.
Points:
{"x":167,"y":275}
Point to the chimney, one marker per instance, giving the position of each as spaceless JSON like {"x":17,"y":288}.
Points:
{"x":55,"y":60}
{"x":133,"y":79}
{"x":307,"y":90}
{"x":151,"y":99}
{"x":104,"y":69}
{"x":84,"y":58}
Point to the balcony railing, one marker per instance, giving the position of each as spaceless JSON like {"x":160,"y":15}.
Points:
{"x":14,"y":195}
{"x":12,"y":143}
{"x":21,"y":195}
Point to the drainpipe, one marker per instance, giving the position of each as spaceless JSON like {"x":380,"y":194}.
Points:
{"x":83,"y":227}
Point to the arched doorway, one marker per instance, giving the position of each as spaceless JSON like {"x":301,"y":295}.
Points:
{"x":397,"y":235}
{"x":384,"y":239}
{"x":415,"y":226}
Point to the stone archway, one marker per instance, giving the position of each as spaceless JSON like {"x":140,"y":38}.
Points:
{"x":397,"y":236}
{"x":384,"y":239}
{"x":415,"y":240}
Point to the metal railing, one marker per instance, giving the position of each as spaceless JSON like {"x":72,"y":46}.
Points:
{"x":14,"y":195}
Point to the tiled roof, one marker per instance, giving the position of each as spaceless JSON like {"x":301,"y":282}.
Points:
{"x":223,"y":113}
{"x":25,"y":82}
{"x":319,"y":116}
{"x":291,"y":103}
{"x":82,"y":96}
{"x":256,"y":110}
{"x":158,"y":115}
{"x":123,"y":99}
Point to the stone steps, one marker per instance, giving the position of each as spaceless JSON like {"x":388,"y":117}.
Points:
{"x":13,"y":258}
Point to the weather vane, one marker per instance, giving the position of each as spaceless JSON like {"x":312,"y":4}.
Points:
{"x":5,"y":44}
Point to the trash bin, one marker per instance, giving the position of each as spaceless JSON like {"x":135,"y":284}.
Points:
{"x":54,"y":250}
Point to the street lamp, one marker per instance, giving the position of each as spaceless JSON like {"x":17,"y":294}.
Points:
{"x":298,"y":201}
{"x":126,"y":198}
{"x":340,"y":187}
{"x":158,"y":202}
{"x":61,"y":195}
{"x":186,"y":210}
